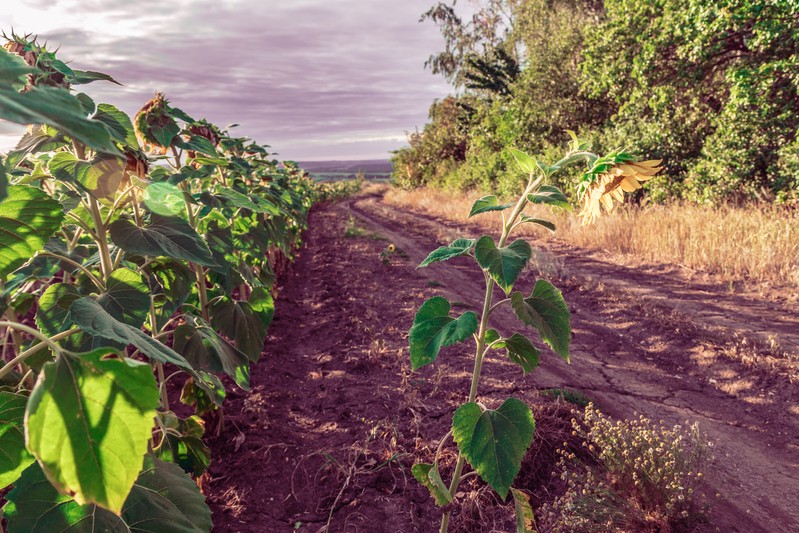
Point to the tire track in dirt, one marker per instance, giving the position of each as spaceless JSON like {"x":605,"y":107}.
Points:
{"x":635,"y":356}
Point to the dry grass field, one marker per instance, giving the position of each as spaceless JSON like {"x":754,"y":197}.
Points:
{"x":757,"y":243}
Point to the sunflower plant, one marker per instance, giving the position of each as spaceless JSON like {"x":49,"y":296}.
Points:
{"x":134,"y":254}
{"x":493,"y":442}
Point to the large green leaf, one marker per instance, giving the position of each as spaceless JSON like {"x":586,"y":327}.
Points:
{"x":127,"y":297}
{"x":48,"y":105}
{"x":434,"y":329}
{"x":429,"y":476}
{"x":205,"y":350}
{"x":89,"y":420}
{"x":197,"y":143}
{"x":164,"y":199}
{"x":171,"y":283}
{"x":81,"y":77}
{"x":86,"y":101}
{"x":546,"y":310}
{"x":3,"y":181}
{"x":52,"y":314}
{"x":525,"y":162}
{"x":14,"y":457}
{"x":165,"y":236}
{"x":550,"y":195}
{"x":538,"y":221}
{"x":521,"y":351}
{"x":163,"y":500}
{"x":239,"y":321}
{"x":28,"y":217}
{"x":183,"y":444}
{"x":457,"y":248}
{"x":503,"y":264}
{"x":494,"y":442}
{"x":118,"y":124}
{"x":251,"y":202}
{"x":262,"y":304}
{"x":164,"y":131}
{"x":100,"y":177}
{"x":95,"y":320}
{"x":35,"y":140}
{"x":13,"y":69}
{"x":486,"y":204}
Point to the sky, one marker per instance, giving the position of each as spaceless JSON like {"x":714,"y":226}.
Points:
{"x":314,"y":79}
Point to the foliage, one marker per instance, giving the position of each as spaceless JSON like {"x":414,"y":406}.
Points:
{"x":494,"y":441}
{"x":332,"y":191}
{"x":440,"y":147}
{"x":711,"y":87}
{"x":467,"y":41}
{"x":137,"y":249}
{"x":628,"y":476}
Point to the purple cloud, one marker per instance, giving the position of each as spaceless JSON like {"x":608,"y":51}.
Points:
{"x":314,"y":79}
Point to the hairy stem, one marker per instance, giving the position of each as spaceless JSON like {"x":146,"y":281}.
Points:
{"x":16,"y":338}
{"x":106,"y":263}
{"x":158,"y":366}
{"x":45,"y":342}
{"x":97,"y":283}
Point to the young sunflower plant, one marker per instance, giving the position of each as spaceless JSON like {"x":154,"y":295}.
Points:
{"x":493,"y":442}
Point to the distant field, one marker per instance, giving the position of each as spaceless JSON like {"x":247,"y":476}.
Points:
{"x":372,"y":169}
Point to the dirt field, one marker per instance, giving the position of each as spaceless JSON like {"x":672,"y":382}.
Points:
{"x":336,"y":418}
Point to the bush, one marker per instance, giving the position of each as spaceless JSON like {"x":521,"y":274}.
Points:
{"x":628,"y":475}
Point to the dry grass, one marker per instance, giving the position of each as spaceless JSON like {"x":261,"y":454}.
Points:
{"x":758,"y":243}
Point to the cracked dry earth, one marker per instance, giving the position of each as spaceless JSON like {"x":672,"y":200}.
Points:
{"x":335,"y":419}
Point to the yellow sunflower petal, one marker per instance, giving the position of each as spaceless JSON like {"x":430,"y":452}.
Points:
{"x":630,"y":184}
{"x":647,"y":170}
{"x":628,"y":170}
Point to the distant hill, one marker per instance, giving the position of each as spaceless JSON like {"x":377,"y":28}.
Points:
{"x":370,"y":166}
{"x":373,"y":169}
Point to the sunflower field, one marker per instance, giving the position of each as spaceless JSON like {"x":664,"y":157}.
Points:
{"x":138,"y":261}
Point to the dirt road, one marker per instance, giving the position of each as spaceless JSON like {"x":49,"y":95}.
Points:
{"x":335,"y":416}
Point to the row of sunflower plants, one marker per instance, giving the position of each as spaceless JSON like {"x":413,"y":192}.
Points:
{"x":493,"y":442}
{"x":137,"y":257}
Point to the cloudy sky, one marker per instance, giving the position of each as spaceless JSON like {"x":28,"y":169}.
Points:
{"x":314,"y":79}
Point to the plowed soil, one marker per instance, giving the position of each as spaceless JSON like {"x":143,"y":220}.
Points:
{"x":335,"y":418}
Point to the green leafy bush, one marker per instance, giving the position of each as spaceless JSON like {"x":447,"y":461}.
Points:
{"x":710,"y":87}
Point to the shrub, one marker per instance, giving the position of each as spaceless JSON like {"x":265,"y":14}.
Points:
{"x":630,"y":475}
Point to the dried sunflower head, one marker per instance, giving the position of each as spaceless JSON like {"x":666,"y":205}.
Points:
{"x":609,"y":179}
{"x":203,"y":128}
{"x":155,"y":127}
{"x":136,"y":162}
{"x":51,"y":72}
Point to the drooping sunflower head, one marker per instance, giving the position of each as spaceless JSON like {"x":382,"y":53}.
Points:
{"x":607,"y":181}
{"x":203,"y":128}
{"x":50,"y":71}
{"x":136,"y":162}
{"x":155,"y":127}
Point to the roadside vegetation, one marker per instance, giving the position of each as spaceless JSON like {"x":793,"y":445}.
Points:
{"x":705,"y":238}
{"x":709,"y":88}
